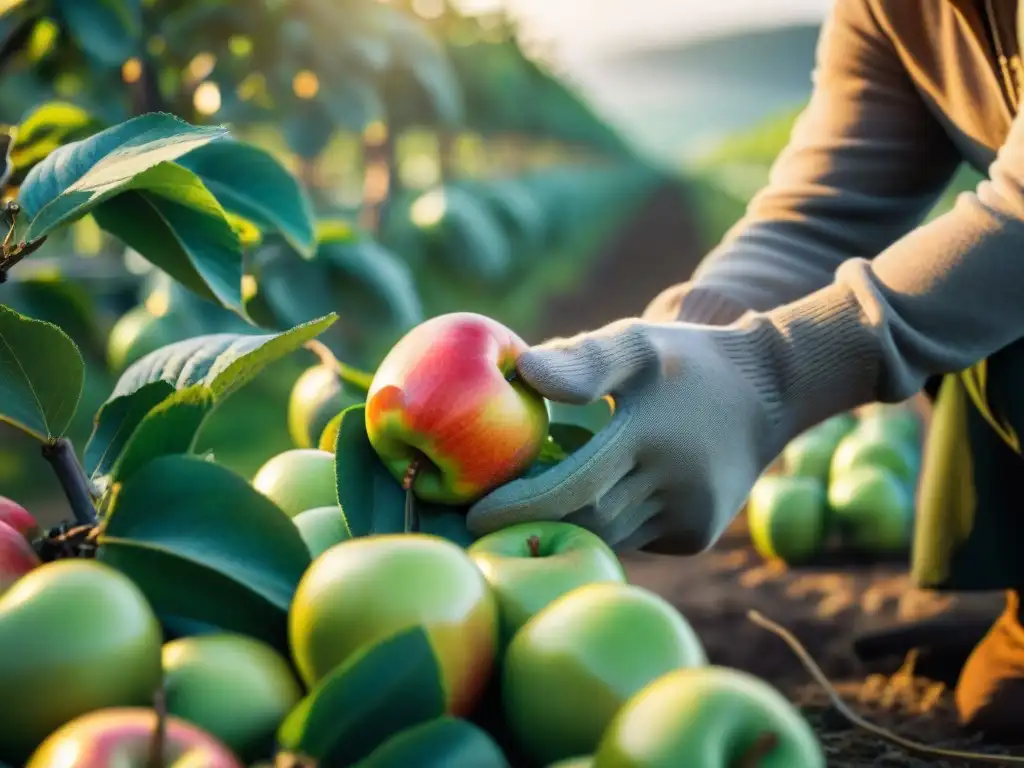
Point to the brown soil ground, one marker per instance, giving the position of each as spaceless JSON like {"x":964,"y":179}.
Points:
{"x":827,"y":607}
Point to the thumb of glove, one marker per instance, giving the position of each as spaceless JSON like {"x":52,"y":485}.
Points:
{"x":584,"y":368}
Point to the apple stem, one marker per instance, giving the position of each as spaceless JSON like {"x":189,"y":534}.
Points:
{"x":156,"y":746}
{"x":77,"y":488}
{"x":533,"y":543}
{"x":321,"y":350}
{"x":412,"y":522}
{"x":761,"y":747}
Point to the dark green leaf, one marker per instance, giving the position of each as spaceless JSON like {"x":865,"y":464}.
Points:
{"x":62,"y":301}
{"x":551,"y":452}
{"x":250,"y":182}
{"x":372,"y":500}
{"x":107,"y":30}
{"x":592,"y":417}
{"x":221,"y":363}
{"x":116,"y":422}
{"x":205,"y":546}
{"x":569,"y":437}
{"x":171,"y":219}
{"x":41,"y":375}
{"x":373,"y":283}
{"x":447,"y":742}
{"x":170,"y":427}
{"x":79,"y":176}
{"x":445,"y":521}
{"x":382,"y":690}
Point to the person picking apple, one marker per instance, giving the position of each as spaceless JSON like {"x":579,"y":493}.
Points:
{"x":827,"y":295}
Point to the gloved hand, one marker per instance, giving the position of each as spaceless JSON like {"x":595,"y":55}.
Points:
{"x":695,"y":423}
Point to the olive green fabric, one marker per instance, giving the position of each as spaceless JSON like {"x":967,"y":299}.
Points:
{"x":970,"y":530}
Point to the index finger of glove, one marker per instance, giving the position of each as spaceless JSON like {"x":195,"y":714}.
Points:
{"x":568,"y":486}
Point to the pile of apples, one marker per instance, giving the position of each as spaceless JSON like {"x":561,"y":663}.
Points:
{"x":847,"y":484}
{"x":541,"y":652}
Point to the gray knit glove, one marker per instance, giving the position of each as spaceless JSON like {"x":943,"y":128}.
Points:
{"x":693,"y":428}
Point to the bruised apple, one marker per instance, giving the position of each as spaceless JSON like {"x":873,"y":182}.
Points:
{"x":446,"y":402}
{"x":123,"y":738}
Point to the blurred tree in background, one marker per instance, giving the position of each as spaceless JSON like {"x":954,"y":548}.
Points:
{"x":443,"y":168}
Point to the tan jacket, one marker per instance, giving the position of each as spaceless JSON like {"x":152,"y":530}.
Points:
{"x":904,"y":90}
{"x":854,"y":299}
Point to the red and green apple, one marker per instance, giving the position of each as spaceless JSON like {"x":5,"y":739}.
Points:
{"x":446,"y":401}
{"x":124,"y":737}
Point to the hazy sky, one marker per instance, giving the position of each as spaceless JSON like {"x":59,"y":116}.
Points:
{"x":584,"y":28}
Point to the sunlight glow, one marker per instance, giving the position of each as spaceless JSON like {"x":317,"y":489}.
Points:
{"x":429,"y":208}
{"x":428,"y":9}
{"x":306,"y":84}
{"x":206,"y":99}
{"x":131,"y":70}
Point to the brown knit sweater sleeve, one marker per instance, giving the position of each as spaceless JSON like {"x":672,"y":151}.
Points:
{"x":864,"y":164}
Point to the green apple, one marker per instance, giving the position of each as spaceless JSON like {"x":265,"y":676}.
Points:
{"x":810,"y":454}
{"x":585,"y":761}
{"x":445,"y":401}
{"x":321,"y":528}
{"x":573,"y":665}
{"x":367,"y":589}
{"x":873,"y":509}
{"x":868,"y":446}
{"x":788,"y":517}
{"x":899,"y":420}
{"x":318,"y":395}
{"x":123,"y":738}
{"x":75,"y":636}
{"x":299,"y":479}
{"x":234,"y":687}
{"x":530,"y":564}
{"x":713,"y":717}
{"x":137,"y":333}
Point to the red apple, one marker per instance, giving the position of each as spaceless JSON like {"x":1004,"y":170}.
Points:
{"x":446,"y":398}
{"x":18,"y":518}
{"x":16,"y":557}
{"x":122,"y":738}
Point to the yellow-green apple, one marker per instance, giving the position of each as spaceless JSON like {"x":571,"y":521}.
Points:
{"x":297,"y":480}
{"x":19,"y":518}
{"x":75,"y":636}
{"x":235,"y":687}
{"x":123,"y":738}
{"x":16,"y":557}
{"x":584,"y":761}
{"x":137,"y":333}
{"x":321,"y":528}
{"x":810,"y":454}
{"x":318,"y":395}
{"x":713,"y":716}
{"x":867,"y":446}
{"x":571,"y":667}
{"x":873,"y":509}
{"x":788,"y":517}
{"x":530,"y":564}
{"x":445,"y":400}
{"x":365,"y":590}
